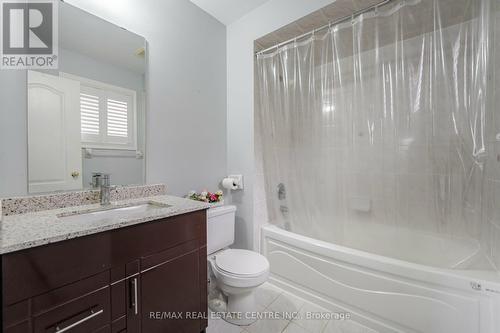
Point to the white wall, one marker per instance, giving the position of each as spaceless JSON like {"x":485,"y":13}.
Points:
{"x":13,"y":137}
{"x":240,"y":99}
{"x":186,"y":121}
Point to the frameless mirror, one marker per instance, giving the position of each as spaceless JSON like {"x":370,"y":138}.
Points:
{"x":88,"y":117}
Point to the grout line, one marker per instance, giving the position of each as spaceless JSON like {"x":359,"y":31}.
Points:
{"x":274,"y":300}
{"x":284,"y":328}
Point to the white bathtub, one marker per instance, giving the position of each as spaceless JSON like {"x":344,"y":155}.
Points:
{"x":389,"y":294}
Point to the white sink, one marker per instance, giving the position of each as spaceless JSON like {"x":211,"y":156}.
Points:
{"x":113,"y":212}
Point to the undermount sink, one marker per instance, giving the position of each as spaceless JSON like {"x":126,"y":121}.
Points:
{"x":113,"y":212}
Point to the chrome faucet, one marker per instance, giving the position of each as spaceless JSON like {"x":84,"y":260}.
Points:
{"x":96,"y":180}
{"x":105,"y":189}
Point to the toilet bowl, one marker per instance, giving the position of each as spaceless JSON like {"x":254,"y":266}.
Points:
{"x":237,"y":273}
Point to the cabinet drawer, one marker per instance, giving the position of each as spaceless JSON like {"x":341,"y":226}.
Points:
{"x":82,"y":315}
{"x":16,"y":313}
{"x":19,"y":328}
{"x":119,"y":325}
{"x":66,"y":294}
{"x":38,"y":270}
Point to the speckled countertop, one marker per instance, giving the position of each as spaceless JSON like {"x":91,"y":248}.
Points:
{"x":28,"y":230}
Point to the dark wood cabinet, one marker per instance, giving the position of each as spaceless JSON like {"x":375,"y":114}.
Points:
{"x":146,"y":278}
{"x":173,"y":275}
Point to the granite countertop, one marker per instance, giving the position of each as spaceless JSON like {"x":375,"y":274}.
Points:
{"x":23,"y":231}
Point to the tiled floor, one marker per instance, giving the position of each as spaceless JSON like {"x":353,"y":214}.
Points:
{"x":273,"y":299}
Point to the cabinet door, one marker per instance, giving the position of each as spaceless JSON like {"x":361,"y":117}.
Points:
{"x":170,"y":291}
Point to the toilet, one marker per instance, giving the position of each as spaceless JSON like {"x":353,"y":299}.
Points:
{"x":237,"y":273}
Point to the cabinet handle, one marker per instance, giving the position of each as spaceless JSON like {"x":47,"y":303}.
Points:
{"x":81,"y":321}
{"x":135,"y":301}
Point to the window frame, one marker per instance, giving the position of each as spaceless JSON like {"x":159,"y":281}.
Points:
{"x":101,"y":141}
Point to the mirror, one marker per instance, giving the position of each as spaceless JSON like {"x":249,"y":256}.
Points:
{"x":88,"y":116}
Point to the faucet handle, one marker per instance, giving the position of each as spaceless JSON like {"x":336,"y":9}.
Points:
{"x":105,"y":179}
{"x":100,"y":179}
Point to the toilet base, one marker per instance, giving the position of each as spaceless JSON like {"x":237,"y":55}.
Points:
{"x":243,"y":308}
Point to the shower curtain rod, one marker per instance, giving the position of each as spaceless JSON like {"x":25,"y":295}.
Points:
{"x":331,"y":23}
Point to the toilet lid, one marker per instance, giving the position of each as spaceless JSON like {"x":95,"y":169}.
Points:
{"x":241,"y":262}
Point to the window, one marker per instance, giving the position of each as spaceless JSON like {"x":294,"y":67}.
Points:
{"x":108,"y":115}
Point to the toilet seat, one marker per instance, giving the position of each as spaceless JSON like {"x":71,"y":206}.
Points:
{"x":241,"y":262}
{"x":240,"y":268}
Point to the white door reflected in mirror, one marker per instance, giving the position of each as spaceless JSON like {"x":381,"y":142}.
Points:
{"x":54,"y":145}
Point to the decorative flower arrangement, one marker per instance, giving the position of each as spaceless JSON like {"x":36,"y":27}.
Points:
{"x":206,"y":196}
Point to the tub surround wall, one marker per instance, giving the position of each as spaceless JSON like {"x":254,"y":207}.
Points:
{"x":36,"y":203}
{"x":260,"y":209}
{"x":491,"y":227}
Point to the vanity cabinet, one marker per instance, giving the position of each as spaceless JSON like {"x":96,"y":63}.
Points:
{"x":149,"y":278}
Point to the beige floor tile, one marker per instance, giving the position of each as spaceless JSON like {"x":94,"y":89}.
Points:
{"x":218,"y":325}
{"x":294,"y":328}
{"x":346,"y":326}
{"x":310,"y":319}
{"x":286,"y":304}
{"x":267,"y":326}
{"x":266,"y":294}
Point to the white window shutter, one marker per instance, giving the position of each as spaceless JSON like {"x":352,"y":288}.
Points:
{"x":120,"y":119}
{"x":117,"y":118}
{"x":89,"y":111}
{"x":107,"y":116}
{"x":91,"y":114}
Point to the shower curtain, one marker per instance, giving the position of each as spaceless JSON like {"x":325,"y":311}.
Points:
{"x":386,"y":119}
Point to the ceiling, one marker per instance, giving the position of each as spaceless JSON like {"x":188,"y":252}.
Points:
{"x":228,"y":11}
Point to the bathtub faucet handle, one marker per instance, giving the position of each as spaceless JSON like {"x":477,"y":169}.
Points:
{"x":281,"y":191}
{"x":284,"y":211}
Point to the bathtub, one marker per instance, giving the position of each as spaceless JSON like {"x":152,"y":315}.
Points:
{"x":426,"y":294}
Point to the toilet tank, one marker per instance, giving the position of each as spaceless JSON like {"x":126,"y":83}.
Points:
{"x":220,"y":228}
